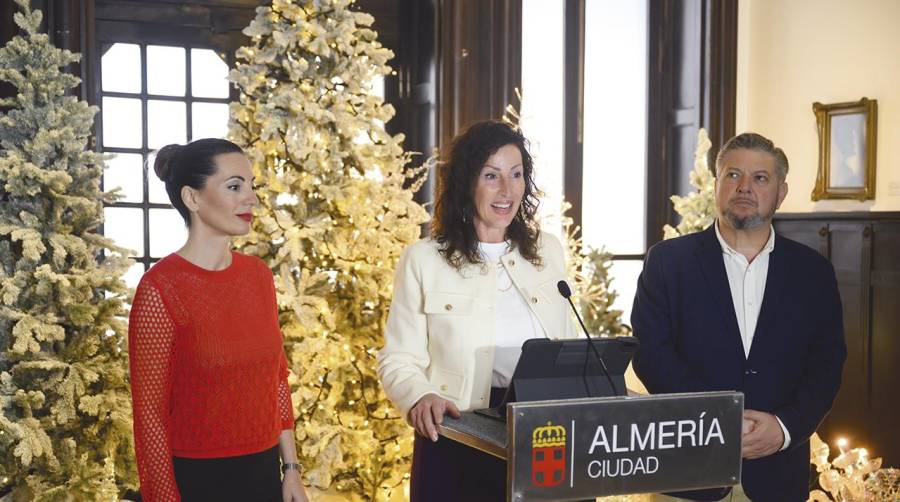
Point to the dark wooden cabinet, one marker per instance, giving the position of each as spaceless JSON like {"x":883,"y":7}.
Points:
{"x":884,"y":346}
{"x":864,"y":249}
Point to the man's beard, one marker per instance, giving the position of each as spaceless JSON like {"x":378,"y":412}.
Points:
{"x":747,"y":222}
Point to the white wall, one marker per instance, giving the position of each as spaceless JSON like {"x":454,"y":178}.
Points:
{"x":792,"y":53}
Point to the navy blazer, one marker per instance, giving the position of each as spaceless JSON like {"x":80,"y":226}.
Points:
{"x":690,"y":342}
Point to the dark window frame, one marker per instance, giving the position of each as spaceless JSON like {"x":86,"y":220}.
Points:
{"x":711,"y":26}
{"x":147,"y":23}
{"x":144,"y":150}
{"x":573,"y":119}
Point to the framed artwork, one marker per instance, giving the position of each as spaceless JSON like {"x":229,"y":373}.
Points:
{"x":847,"y":135}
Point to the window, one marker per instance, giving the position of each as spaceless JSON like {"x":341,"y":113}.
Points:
{"x":615,"y":136}
{"x":541,"y":111}
{"x":151,"y":96}
{"x":613,"y":125}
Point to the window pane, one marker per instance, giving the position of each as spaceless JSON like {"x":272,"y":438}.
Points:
{"x":122,"y":122}
{"x":167,"y":232}
{"x":165,"y":70}
{"x":125,"y":170}
{"x":166,"y":123}
{"x":209,"y":74}
{"x":625,"y":275}
{"x":121,"y":68}
{"x":542,"y":102}
{"x":209,"y":120}
{"x":156,"y":186}
{"x":133,"y":276}
{"x":125,"y":225}
{"x":377,"y":86}
{"x":615,"y":128}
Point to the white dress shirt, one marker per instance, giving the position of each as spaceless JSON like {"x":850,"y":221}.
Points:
{"x":514,"y":321}
{"x":747,"y":281}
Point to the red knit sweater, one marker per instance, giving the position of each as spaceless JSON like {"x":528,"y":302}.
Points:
{"x":208,"y":371}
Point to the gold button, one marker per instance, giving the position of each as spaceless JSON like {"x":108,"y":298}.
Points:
{"x":533,"y":299}
{"x":511,"y":263}
{"x":448,"y":307}
{"x":444,"y":387}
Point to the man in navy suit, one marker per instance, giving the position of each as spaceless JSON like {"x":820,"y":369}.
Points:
{"x":737,"y":307}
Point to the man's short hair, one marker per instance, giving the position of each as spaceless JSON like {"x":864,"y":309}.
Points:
{"x":760,"y":143}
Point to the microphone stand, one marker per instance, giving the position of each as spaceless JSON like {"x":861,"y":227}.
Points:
{"x":566,"y":293}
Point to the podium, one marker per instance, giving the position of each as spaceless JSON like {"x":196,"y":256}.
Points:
{"x":573,"y":449}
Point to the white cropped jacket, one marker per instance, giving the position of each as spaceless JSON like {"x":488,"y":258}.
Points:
{"x":440,"y":331}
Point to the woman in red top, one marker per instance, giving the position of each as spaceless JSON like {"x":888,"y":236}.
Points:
{"x":212,"y":408}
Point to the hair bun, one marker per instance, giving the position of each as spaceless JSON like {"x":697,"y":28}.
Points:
{"x":163,"y":164}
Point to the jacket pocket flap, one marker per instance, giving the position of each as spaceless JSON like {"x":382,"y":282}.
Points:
{"x":448,"y":303}
{"x":447,"y":383}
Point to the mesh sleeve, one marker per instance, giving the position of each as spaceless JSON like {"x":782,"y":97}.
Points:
{"x":285,"y":407}
{"x":151,"y":339}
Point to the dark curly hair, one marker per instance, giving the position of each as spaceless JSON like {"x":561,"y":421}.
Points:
{"x":454,"y":206}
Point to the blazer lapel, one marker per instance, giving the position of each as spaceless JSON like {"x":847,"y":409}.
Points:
{"x":776,"y":281}
{"x":711,"y":263}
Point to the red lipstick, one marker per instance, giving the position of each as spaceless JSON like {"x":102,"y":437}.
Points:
{"x":245,"y":216}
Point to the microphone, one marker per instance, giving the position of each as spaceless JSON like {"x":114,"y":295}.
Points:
{"x":566,"y":293}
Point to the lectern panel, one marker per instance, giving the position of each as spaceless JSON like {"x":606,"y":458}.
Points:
{"x":583,"y":448}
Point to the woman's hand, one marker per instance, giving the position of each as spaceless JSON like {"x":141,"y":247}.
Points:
{"x":292,"y":488}
{"x":428,"y":413}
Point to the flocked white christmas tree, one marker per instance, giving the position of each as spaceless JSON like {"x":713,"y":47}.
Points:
{"x":336,"y":210}
{"x":65,"y":427}
{"x":697,"y":209}
{"x":592,"y":290}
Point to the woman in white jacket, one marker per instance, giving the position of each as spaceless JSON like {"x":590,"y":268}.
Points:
{"x":464,"y":301}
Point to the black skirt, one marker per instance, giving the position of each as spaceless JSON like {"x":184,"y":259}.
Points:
{"x":447,"y":471}
{"x":246,"y":478}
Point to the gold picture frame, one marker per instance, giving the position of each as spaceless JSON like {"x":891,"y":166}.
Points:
{"x":847,"y":138}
